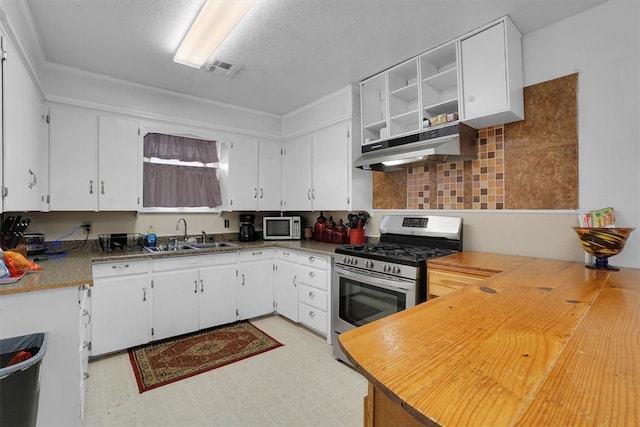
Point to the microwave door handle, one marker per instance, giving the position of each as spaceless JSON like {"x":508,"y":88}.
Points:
{"x":377,"y":281}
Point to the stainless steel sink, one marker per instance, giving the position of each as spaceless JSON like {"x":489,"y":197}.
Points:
{"x":186,"y":246}
{"x":213,"y":245}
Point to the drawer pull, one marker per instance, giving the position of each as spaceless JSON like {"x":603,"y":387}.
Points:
{"x":115,"y":267}
{"x":256,"y":253}
{"x":312,"y":274}
{"x":311,"y":259}
{"x":311,"y":294}
{"x":312,"y":314}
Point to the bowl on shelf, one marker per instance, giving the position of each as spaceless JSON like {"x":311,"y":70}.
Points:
{"x":603,"y":243}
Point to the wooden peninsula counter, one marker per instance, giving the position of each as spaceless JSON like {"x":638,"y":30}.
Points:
{"x":540,"y":342}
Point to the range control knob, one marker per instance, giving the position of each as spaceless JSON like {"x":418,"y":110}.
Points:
{"x":396,"y":270}
{"x":368,"y":264}
{"x":386,"y":268}
{"x":345,"y":260}
{"x":354,"y":261}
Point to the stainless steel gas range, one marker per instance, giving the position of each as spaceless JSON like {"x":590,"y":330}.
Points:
{"x":371,"y":281}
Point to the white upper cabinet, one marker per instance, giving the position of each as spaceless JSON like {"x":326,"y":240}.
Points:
{"x":254,"y":175}
{"x":25,"y":172}
{"x":94,"y":162}
{"x":118,"y":164}
{"x":73,"y":160}
{"x":296,"y":174}
{"x":491,"y":63}
{"x":317,"y":171}
{"x":476,"y":79}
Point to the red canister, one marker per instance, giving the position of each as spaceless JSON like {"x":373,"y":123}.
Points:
{"x":328,"y":231}
{"x":339,"y":235}
{"x":318,"y":227}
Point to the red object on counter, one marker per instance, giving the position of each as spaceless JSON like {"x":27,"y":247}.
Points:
{"x":318,"y":227}
{"x":328,"y":231}
{"x":340,"y":234}
{"x":356,"y":236}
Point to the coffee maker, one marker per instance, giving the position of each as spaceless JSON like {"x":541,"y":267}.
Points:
{"x":247,"y":232}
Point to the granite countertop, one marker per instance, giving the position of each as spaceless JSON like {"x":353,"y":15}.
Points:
{"x":74,"y":268}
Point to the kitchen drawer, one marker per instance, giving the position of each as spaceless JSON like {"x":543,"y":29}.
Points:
{"x":313,"y":297}
{"x":287,"y":255}
{"x":313,"y":318}
{"x":122,"y":268}
{"x":314,"y":277}
{"x":255,"y":255}
{"x":317,"y":261}
{"x":187,"y":262}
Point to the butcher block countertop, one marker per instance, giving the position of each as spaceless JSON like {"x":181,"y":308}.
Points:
{"x":74,"y":268}
{"x":541,"y":342}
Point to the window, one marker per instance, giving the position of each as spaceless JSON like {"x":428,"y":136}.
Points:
{"x":180,"y":172}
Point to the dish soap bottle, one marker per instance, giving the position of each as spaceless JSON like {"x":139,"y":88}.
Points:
{"x":150,"y":238}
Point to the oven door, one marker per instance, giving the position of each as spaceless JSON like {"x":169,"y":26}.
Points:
{"x":361,"y":298}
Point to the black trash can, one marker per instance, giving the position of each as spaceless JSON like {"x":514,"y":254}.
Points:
{"x":20,"y":359}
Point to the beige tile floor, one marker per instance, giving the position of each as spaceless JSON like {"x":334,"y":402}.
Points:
{"x":299,"y":384}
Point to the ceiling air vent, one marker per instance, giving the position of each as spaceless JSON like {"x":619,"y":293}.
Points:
{"x":222,"y":68}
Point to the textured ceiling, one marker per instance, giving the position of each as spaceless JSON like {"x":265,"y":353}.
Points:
{"x":292,"y":51}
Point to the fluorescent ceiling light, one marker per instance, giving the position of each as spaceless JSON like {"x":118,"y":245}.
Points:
{"x":212,"y":25}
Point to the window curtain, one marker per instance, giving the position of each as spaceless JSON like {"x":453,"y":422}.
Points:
{"x":177,"y":185}
{"x":179,"y":148}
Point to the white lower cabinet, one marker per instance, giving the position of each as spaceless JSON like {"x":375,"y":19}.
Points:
{"x":255,"y":283}
{"x":286,"y":283}
{"x":218,"y":291}
{"x":314,"y":276}
{"x":120,"y":310}
{"x":176,"y":294}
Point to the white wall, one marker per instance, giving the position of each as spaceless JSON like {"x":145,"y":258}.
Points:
{"x":602,"y":45}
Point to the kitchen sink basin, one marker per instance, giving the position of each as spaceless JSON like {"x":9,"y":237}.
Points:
{"x":213,"y":245}
{"x":185,"y":246}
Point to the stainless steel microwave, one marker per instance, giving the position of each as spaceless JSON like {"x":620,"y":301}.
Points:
{"x":281,"y":228}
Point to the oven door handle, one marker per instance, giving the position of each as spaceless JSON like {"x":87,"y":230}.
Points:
{"x":377,"y":281}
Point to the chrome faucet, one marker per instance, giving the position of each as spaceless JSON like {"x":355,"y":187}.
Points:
{"x":185,"y":227}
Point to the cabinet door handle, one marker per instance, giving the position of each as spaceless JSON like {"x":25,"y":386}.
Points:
{"x":115,"y":267}
{"x":201,"y":285}
{"x":294,"y":281}
{"x":261,"y":193}
{"x":85,"y":376}
{"x":313,"y":193}
{"x":34,"y":179}
{"x":86,"y":313}
{"x":309,"y":194}
{"x":144,"y":294}
{"x":311,"y":294}
{"x":195,"y":282}
{"x":243,"y":280}
{"x":470,"y":98}
{"x":90,"y":186}
{"x":101,"y":187}
{"x":255,"y":193}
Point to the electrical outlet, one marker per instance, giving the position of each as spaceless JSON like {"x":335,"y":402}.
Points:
{"x":86,"y":227}
{"x":226,"y":223}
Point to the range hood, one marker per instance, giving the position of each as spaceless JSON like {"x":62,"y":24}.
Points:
{"x":451,"y":143}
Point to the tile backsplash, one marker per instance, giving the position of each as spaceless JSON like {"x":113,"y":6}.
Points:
{"x":530,"y":164}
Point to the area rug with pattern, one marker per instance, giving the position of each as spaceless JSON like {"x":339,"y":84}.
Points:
{"x":174,"y":359}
